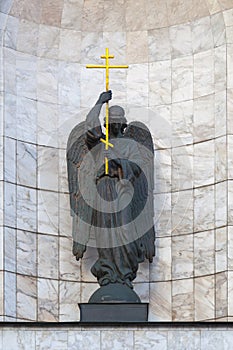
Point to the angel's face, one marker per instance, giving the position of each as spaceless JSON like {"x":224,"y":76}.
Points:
{"x":115,"y":129}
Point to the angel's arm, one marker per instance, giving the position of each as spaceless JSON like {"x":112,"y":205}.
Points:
{"x":94,"y":131}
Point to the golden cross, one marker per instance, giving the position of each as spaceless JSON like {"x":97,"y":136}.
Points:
{"x":106,"y":67}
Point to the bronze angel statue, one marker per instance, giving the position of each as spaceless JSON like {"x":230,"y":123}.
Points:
{"x":112,"y":210}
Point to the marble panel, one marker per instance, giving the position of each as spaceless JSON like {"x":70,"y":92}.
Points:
{"x":203,"y":73}
{"x":69,"y":83}
{"x":143,"y":272}
{"x":26,"y":253}
{"x":27,"y":39}
{"x":87,"y":289}
{"x":185,"y":340}
{"x":216,"y":339}
{"x":160,"y":270}
{"x":70,"y":45}
{"x":204,"y":298}
{"x":160,"y":126}
{"x":181,"y":40}
{"x":118,"y":79}
{"x":26,"y":119}
{"x":31,"y":10}
{"x":204,"y":253}
{"x":202,"y":42}
{"x":204,"y":208}
{"x":221,"y":295}
{"x":213,"y":6}
{"x":137,"y":47}
{"x":229,"y":110}
{"x":182,"y":212}
{"x":220,"y":68}
{"x":182,"y":123}
{"x":162,"y":217}
{"x":182,"y":256}
{"x":48,"y":163}
{"x":92,"y":16}
{"x":229,"y":66}
{"x":178,"y":11}
{"x":228,"y":17}
{"x":26,"y":209}
{"x":182,"y":168}
{"x":204,"y":118}
{"x":2,"y":258}
{"x":182,"y":79}
{"x":92,"y":49}
{"x":221,"y":204}
{"x":147,"y":339}
{"x":9,"y":204}
{"x":1,"y":297}
{"x":94,"y":79}
{"x":5,"y":6}
{"x":220,"y":159}
{"x":143,"y":291}
{"x":10,"y":294}
{"x":230,"y":293}
{"x":159,"y":45}
{"x":116,"y":41}
{"x":218,"y":29}
{"x":26,"y":72}
{"x":137,"y":85}
{"x":230,"y":202}
{"x":160,"y":83}
{"x":3,"y":20}
{"x":69,"y":268}
{"x":9,"y":249}
{"x":162,"y":171}
{"x":183,"y":300}
{"x":114,"y":16}
{"x":86,"y":339}
{"x":48,"y":302}
{"x":157,"y":16}
{"x":64,"y":217}
{"x":69,"y":297}
{"x":26,"y":297}
{"x":51,"y":12}
{"x":48,"y":41}
{"x":47,"y":124}
{"x":220,"y":113}
{"x":119,"y":339}
{"x":225,"y":4}
{"x":133,"y":21}
{"x":9,"y":61}
{"x":9,"y":168}
{"x":48,"y":252}
{"x":72,"y":14}
{"x":16,"y":8}
{"x":18,"y":339}
{"x":230,"y":247}
{"x":221,"y":249}
{"x":204,"y":158}
{"x":230,"y":156}
{"x":160,"y":301}
{"x":1,"y":201}
{"x":11,"y":32}
{"x":63,"y":176}
{"x":48,"y":212}
{"x":26,"y":164}
{"x":229,"y":33}
{"x":51,"y":340}
{"x":47,"y":77}
{"x":88,"y":260}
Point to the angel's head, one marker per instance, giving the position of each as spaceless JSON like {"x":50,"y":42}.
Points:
{"x":117,"y":120}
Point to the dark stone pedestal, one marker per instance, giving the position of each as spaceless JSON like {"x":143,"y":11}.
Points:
{"x":114,"y":312}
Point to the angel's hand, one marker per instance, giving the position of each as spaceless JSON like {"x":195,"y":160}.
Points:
{"x":78,"y":250}
{"x":105,"y":97}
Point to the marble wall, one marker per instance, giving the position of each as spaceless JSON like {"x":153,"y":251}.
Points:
{"x":104,"y":338}
{"x":180,"y":83}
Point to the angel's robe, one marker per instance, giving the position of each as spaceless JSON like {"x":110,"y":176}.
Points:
{"x":118,"y":249}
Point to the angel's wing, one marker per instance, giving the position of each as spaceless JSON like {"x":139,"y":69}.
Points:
{"x":144,"y":184}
